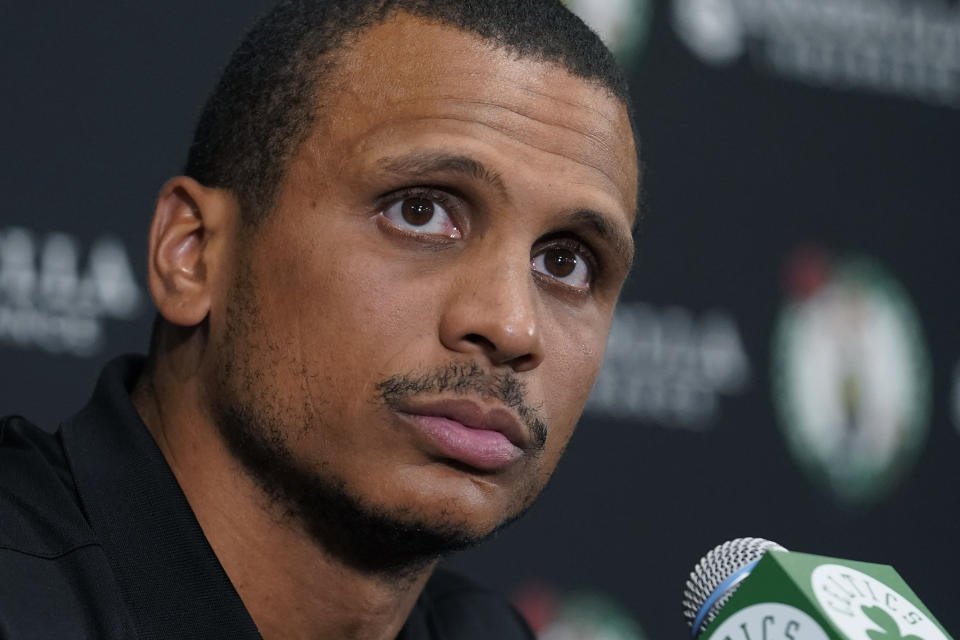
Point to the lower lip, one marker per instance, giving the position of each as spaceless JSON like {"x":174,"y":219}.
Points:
{"x":479,"y":448}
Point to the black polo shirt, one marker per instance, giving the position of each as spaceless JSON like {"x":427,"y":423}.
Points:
{"x":98,"y":541}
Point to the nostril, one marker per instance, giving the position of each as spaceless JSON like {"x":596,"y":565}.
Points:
{"x":478,"y":339}
{"x":519,"y":361}
{"x":524,"y":362}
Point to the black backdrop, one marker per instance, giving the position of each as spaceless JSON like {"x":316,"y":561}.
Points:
{"x":785,"y":362}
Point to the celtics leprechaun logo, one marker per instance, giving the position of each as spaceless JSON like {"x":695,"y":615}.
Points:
{"x":850,"y":376}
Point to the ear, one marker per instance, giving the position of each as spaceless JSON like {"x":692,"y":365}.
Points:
{"x":186,"y":248}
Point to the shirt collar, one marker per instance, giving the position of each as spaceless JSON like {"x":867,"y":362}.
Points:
{"x":169,"y":577}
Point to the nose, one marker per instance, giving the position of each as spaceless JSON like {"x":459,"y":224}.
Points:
{"x":492,"y":311}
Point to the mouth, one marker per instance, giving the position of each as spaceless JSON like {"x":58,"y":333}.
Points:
{"x":474,"y":434}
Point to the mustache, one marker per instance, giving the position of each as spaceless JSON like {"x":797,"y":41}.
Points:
{"x":463,"y":378}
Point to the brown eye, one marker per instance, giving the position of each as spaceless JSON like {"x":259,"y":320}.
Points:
{"x":417,"y":211}
{"x":560,"y":262}
{"x":422,"y":215}
{"x":567,"y":265}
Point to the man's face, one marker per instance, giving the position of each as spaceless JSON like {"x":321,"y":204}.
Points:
{"x":421,"y":318}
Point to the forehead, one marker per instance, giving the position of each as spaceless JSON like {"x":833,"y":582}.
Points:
{"x":418,"y":77}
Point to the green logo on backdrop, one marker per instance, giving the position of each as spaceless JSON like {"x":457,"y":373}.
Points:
{"x":623,"y":25}
{"x":850,"y":376}
{"x":588,"y":616}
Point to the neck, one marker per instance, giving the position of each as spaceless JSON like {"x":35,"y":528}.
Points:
{"x":291,"y":586}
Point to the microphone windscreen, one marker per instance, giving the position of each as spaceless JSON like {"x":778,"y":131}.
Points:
{"x":716,"y":577}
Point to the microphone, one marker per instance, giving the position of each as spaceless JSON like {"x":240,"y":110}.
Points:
{"x":754,"y":589}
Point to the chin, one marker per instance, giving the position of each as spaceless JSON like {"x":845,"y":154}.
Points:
{"x":453,"y":496}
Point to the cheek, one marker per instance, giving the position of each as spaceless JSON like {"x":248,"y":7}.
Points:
{"x":335,"y":321}
{"x":354,"y":314}
{"x":575,"y":355}
{"x":371,"y":306}
{"x":569,"y":372}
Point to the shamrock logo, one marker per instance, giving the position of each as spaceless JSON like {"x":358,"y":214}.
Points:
{"x":889,"y":629}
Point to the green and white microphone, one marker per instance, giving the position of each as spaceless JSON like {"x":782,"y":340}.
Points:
{"x":754,"y":589}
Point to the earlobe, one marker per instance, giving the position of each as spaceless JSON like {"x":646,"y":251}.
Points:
{"x":186,"y":220}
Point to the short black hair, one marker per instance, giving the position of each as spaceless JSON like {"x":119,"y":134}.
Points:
{"x":265,"y":103}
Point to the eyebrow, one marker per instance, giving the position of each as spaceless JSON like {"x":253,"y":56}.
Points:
{"x":427,"y":162}
{"x":621,"y":242}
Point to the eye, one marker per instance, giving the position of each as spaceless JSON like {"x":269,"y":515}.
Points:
{"x":569,"y":265}
{"x":421,"y":214}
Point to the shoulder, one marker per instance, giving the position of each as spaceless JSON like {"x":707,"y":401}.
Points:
{"x":461,"y":609}
{"x":39,"y":511}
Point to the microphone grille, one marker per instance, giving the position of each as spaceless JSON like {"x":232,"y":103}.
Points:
{"x":720,"y":563}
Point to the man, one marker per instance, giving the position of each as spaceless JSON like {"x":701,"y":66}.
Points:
{"x":384,"y":288}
